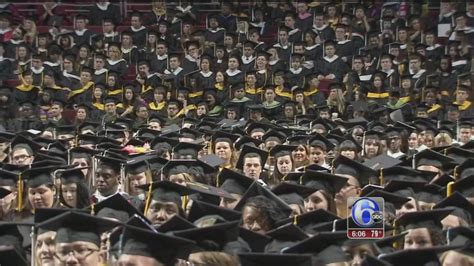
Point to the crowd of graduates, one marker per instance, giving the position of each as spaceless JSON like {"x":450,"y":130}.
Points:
{"x":173,"y":136}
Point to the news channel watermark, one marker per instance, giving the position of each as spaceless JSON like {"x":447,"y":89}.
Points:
{"x":366,"y":220}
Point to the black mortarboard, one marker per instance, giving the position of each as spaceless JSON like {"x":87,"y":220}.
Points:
{"x":420,"y":256}
{"x":187,"y":150}
{"x":166,"y":191}
{"x":11,"y":255}
{"x":116,"y":207}
{"x":74,"y":226}
{"x":323,"y":181}
{"x":320,"y":141}
{"x":312,"y":219}
{"x":346,"y":166}
{"x":292,"y":193}
{"x":200,"y":209}
{"x":298,"y":140}
{"x":73,"y":175}
{"x":4,"y":192}
{"x":458,"y":154}
{"x":282,"y":150}
{"x":460,"y":236}
{"x":174,"y":224}
{"x":10,"y":234}
{"x":465,"y":169}
{"x":249,"y":149}
{"x":255,"y":190}
{"x":164,"y":248}
{"x":422,"y":219}
{"x":404,"y":174}
{"x":233,"y":182}
{"x":274,"y":134}
{"x":21,"y":140}
{"x":222,"y":136}
{"x":219,"y":234}
{"x":432,"y":158}
{"x":392,"y":200}
{"x":111,"y":162}
{"x":39,"y":176}
{"x":266,"y":259}
{"x":257,"y":127}
{"x":246,"y":140}
{"x":8,"y":178}
{"x":462,"y":207}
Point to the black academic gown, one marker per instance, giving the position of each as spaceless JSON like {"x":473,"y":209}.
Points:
{"x":82,"y":37}
{"x":189,"y":65}
{"x":6,"y":69}
{"x":235,"y":77}
{"x":69,"y":80}
{"x":139,"y":36}
{"x":159,"y":64}
{"x":325,"y":33}
{"x":334,"y":65}
{"x":296,"y":76}
{"x":97,"y":15}
{"x":100,"y":76}
{"x":216,"y":36}
{"x":130,"y":55}
{"x":205,"y":80}
{"x":120,"y":66}
{"x":248,"y":63}
{"x":284,"y":51}
{"x":295,"y":35}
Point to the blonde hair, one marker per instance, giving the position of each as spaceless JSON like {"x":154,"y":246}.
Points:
{"x":442,"y":139}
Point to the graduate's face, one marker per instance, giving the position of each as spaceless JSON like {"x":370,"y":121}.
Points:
{"x":340,"y":33}
{"x":252,"y":219}
{"x":415,"y":64}
{"x":330,"y":50}
{"x":174,"y":63}
{"x":359,"y":252}
{"x":110,"y":108}
{"x":413,"y":141}
{"x":372,"y":147}
{"x":252,"y":167}
{"x":270,"y":95}
{"x":316,"y":201}
{"x":107,"y":180}
{"x":418,"y":238}
{"x":205,"y":65}
{"x":319,"y":21}
{"x":136,"y":180}
{"x":22,"y":157}
{"x":350,"y":189}
{"x":349,"y":154}
{"x":81,"y":163}
{"x":80,"y":24}
{"x":85,"y":77}
{"x":172,"y":110}
{"x":41,"y":197}
{"x":251,"y":79}
{"x":78,"y":253}
{"x":135,"y":21}
{"x":230,"y":203}
{"x":284,"y":164}
{"x":409,"y":206}
{"x":223,"y":149}
{"x":137,"y":260}
{"x":289,"y":22}
{"x":386,"y":63}
{"x":201,"y":110}
{"x":45,"y":248}
{"x":317,"y":155}
{"x":233,"y":63}
{"x":283,"y":36}
{"x":461,"y":96}
{"x":160,"y":212}
{"x":69,"y":193}
{"x":464,"y":134}
{"x":299,"y":154}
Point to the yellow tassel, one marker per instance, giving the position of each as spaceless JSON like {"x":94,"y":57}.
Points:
{"x":148,"y":198}
{"x":20,"y":193}
{"x":295,"y":220}
{"x":381,"y":177}
{"x":455,"y":172}
{"x":93,"y":209}
{"x":449,"y":189}
{"x":185,"y":202}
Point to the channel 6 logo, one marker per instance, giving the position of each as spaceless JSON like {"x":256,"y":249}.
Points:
{"x":367,"y":212}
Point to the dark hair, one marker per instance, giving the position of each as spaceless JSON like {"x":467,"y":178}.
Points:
{"x":82,"y":196}
{"x":267,"y":208}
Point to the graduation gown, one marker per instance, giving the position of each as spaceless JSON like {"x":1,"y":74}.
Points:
{"x":216,"y":36}
{"x":284,"y":52}
{"x":205,"y":80}
{"x":120,"y":66}
{"x":248,"y":63}
{"x":6,"y":68}
{"x":419,"y":79}
{"x":69,"y":80}
{"x":130,"y":55}
{"x":189,"y":64}
{"x":295,"y":35}
{"x":304,"y":22}
{"x":111,"y":37}
{"x":81,"y":37}
{"x":176,"y":75}
{"x":159,"y":63}
{"x":313,"y":52}
{"x":38,"y":76}
{"x":278,"y":65}
{"x":334,"y":65}
{"x":98,"y":14}
{"x":22,"y":93}
{"x":100,"y":76}
{"x":325,"y":33}
{"x":82,"y":93}
{"x":139,"y":36}
{"x":296,"y":76}
{"x":264,"y":77}
{"x":283,"y":94}
{"x":345,"y":49}
{"x":317,"y":97}
{"x":235,"y":77}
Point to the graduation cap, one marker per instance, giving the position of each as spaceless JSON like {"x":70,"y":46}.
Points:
{"x":423,"y":219}
{"x":36,"y":177}
{"x":320,"y":141}
{"x":459,"y":236}
{"x":346,"y":166}
{"x":258,"y":190}
{"x":282,"y":150}
{"x":420,"y":256}
{"x":323,"y":181}
{"x":247,"y":149}
{"x":311,"y":219}
{"x":267,"y":259}
{"x":73,"y":175}
{"x":116,"y":207}
{"x":21,"y":141}
{"x":233,"y":182}
{"x":465,"y":169}
{"x":462,"y":207}
{"x":257,"y":127}
{"x":186,"y":150}
{"x":165,"y":191}
{"x":432,"y":158}
{"x":200,"y":209}
{"x":10,"y":255}
{"x":246,"y":140}
{"x":298,"y":140}
{"x":174,"y":224}
{"x":8,"y":178}
{"x":392,"y":200}
{"x":222,"y":136}
{"x":74,"y":226}
{"x":275,"y":135}
{"x":164,"y":248}
{"x":111,"y":162}
{"x":292,"y":193}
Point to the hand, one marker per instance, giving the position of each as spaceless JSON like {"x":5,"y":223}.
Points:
{"x":320,"y":77}
{"x":330,"y":76}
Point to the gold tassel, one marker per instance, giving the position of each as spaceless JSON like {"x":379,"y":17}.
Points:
{"x":382,"y":181}
{"x":455,"y":172}
{"x":295,"y":220}
{"x":93,"y":209}
{"x":449,"y":189}
{"x":148,"y":199}
{"x":20,"y":193}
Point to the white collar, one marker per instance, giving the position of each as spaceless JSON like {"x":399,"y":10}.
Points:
{"x":459,"y":62}
{"x":184,"y":10}
{"x":67,"y":75}
{"x":273,"y":62}
{"x":395,"y":155}
{"x":5,"y":30}
{"x":216,"y":30}
{"x":418,"y":74}
{"x":16,"y":42}
{"x":175,"y":72}
{"x":258,"y":25}
{"x":37,"y":71}
{"x":389,"y":72}
{"x":430,"y":48}
{"x":104,"y":6}
{"x":4,"y":5}
{"x":247,"y":61}
{"x":365,"y":77}
{"x":297,"y":71}
{"x":51,"y":64}
{"x":206,"y":75}
{"x":330,"y":60}
{"x":80,"y":33}
{"x":343,"y":42}
{"x":139,"y":29}
{"x":278,"y":45}
{"x":54,"y":5}
{"x":161,"y":57}
{"x":127,"y":50}
{"x":321,"y":28}
{"x":115,"y":62}
{"x":291,"y":32}
{"x":448,"y":14}
{"x":309,"y":48}
{"x":113,"y":34}
{"x":190,"y":58}
{"x":232,"y":73}
{"x":100,"y":71}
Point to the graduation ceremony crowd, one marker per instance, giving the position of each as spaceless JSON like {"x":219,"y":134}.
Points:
{"x":234,"y":133}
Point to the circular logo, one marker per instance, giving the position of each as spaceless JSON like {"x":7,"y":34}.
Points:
{"x":366,"y":212}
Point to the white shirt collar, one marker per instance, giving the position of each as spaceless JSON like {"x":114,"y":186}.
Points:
{"x":37,"y":71}
{"x":232,"y":73}
{"x":114,"y":62}
{"x":103,"y":6}
{"x":206,"y":75}
{"x":161,"y":57}
{"x":109,"y":35}
{"x":16,"y":41}
{"x":296,"y":71}
{"x":136,"y":30}
{"x":68,"y":75}
{"x":248,"y":60}
{"x":332,"y":59}
{"x":321,"y":28}
{"x":80,"y":32}
{"x":100,"y":71}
